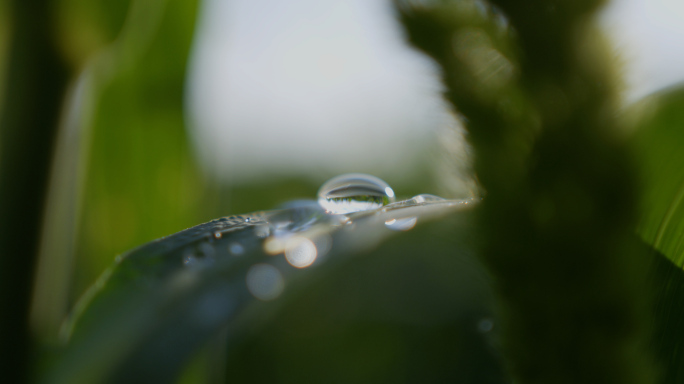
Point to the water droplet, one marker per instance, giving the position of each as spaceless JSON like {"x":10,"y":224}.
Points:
{"x":236,"y":249}
{"x":218,"y":234}
{"x":426,"y":198}
{"x":354,"y":192}
{"x":404,"y":224}
{"x":265,"y":281}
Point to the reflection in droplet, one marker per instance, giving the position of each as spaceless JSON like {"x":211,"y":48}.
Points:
{"x":404,"y":224}
{"x":354,"y":192}
{"x":389,"y":192}
{"x":218,"y":235}
{"x":300,"y":252}
{"x":485,"y":325}
{"x":265,"y":282}
{"x":236,"y":249}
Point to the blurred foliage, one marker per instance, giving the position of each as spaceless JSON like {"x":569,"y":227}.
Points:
{"x":668,"y":315}
{"x":84,"y":27}
{"x":560,"y":191}
{"x":658,"y":142}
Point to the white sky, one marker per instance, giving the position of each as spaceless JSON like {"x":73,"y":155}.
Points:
{"x":649,"y":37}
{"x":316,"y":88}
{"x":308,"y":87}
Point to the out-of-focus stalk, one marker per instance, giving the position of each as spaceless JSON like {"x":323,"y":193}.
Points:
{"x":63,"y":211}
{"x":34,"y":87}
{"x":535,"y":84}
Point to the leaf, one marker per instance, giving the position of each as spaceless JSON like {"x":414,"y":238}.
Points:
{"x":144,"y":319}
{"x":659,"y":144}
{"x":668,"y":309}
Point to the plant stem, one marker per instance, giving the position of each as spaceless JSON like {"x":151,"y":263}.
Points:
{"x":34,"y":86}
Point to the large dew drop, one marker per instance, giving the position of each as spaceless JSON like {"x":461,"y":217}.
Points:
{"x":354,"y":192}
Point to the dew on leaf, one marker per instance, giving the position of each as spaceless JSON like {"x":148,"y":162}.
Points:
{"x":354,"y":192}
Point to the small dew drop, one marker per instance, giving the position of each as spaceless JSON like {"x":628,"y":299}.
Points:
{"x":265,"y":282}
{"x":218,"y":235}
{"x":404,"y":224}
{"x":262,"y":231}
{"x":354,"y":192}
{"x":426,"y":198}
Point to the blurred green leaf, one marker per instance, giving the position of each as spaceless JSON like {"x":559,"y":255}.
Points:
{"x":659,"y":143}
{"x":83,"y":27}
{"x":141,"y":180}
{"x":668,"y":315}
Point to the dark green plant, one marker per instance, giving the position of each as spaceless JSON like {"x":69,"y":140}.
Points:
{"x":560,"y":187}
